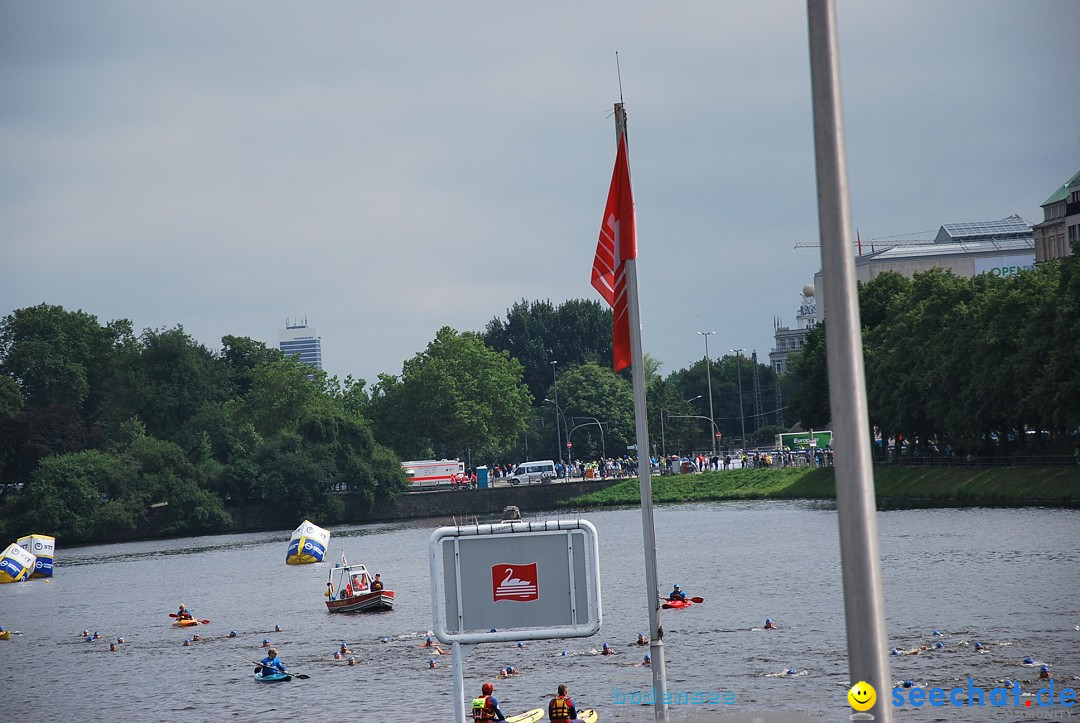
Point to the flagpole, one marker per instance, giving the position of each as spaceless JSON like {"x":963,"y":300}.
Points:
{"x":637,"y":371}
{"x":860,"y":560}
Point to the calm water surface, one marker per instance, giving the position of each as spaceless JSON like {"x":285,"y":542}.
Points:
{"x":1008,"y":578}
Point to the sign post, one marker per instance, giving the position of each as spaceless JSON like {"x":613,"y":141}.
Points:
{"x":516,"y":580}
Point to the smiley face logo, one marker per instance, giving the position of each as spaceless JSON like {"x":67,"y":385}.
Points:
{"x":862,"y":696}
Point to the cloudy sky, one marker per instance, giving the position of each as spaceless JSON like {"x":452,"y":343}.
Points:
{"x":387,"y":168}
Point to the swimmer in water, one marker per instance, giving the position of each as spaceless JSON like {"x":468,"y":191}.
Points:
{"x":646,"y":661}
{"x":641,"y":639}
{"x":1044,"y":673}
{"x":266,"y":642}
{"x":432,"y":663}
{"x":344,"y":649}
{"x":607,"y":650}
{"x":232,"y":633}
{"x":352,"y":660}
{"x":768,"y":624}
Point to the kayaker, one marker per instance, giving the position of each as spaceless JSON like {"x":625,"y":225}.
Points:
{"x":182,"y":613}
{"x":376,"y":584}
{"x":676,"y":595}
{"x":270,"y":664}
{"x":562,"y":706}
{"x":486,"y":707}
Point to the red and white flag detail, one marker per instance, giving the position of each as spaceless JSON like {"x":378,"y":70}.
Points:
{"x":618,"y":243}
{"x":514,"y":582}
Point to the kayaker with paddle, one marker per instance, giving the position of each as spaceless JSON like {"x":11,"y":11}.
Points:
{"x":270,"y":665}
{"x":676,"y":595}
{"x":486,"y":707}
{"x":562,"y":706}
{"x":183,"y":614}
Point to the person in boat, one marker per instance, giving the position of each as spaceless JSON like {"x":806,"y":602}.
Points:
{"x":676,"y":595}
{"x":641,"y":639}
{"x":486,"y":707}
{"x":271,"y":664}
{"x":183,"y":614}
{"x":376,"y":584}
{"x":562,"y":706}
{"x":607,"y":650}
{"x":769,"y":624}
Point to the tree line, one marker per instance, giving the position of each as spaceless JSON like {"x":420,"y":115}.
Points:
{"x":959,"y":365}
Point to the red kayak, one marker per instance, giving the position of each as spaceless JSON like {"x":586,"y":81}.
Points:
{"x":673,"y":604}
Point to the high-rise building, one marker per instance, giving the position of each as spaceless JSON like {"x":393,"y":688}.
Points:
{"x":298,"y":339}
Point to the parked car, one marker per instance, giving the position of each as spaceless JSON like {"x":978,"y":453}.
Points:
{"x":529,"y":472}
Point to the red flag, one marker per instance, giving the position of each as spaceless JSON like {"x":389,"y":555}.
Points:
{"x":618,"y":243}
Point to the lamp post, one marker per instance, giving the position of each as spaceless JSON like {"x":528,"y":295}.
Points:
{"x":708,"y":377}
{"x":558,"y":434}
{"x":742,"y":419}
{"x":598,"y":423}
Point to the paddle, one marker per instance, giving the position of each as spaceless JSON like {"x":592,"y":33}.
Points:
{"x":298,"y":676}
{"x":200,"y":622}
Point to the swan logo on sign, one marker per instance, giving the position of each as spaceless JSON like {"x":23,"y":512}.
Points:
{"x":515,"y":582}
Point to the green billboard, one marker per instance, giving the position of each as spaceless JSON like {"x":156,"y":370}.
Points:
{"x":796,"y":441}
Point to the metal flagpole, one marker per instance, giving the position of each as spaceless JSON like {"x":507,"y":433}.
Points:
{"x":864,"y":599}
{"x":656,"y":632}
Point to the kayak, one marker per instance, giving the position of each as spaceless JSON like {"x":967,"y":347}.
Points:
{"x":531,"y":716}
{"x":675,"y":604}
{"x":273,"y":678}
{"x":185,"y":623}
{"x":6,"y":635}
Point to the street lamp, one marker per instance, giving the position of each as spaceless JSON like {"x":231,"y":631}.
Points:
{"x":742,"y":419}
{"x":559,"y":413}
{"x":598,"y":423}
{"x":558,"y":434}
{"x":708,"y":376}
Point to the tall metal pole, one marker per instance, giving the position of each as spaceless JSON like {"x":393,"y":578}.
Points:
{"x":708,"y":376}
{"x":860,"y":558}
{"x":558,"y":434}
{"x":652,"y":589}
{"x":742,"y":417}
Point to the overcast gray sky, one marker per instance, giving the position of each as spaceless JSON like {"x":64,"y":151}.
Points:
{"x":388,"y":168}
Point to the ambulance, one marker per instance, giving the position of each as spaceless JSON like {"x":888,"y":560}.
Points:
{"x":429,"y":474}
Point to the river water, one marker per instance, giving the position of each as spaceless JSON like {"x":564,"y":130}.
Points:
{"x":1007,"y":578}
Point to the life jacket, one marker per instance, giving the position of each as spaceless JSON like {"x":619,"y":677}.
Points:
{"x":482,"y":708}
{"x":559,"y":708}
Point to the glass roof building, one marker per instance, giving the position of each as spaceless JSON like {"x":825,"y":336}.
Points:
{"x":1002,"y":248}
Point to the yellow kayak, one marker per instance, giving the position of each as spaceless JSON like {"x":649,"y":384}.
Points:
{"x":6,"y":635}
{"x":531,"y":716}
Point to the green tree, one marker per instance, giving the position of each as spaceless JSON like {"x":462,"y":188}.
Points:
{"x":537,"y":333}
{"x":592,"y":391}
{"x":11,"y":401}
{"x":60,"y":357}
{"x":455,"y":397}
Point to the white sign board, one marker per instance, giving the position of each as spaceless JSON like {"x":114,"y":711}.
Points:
{"x":1004,"y":265}
{"x":515,"y":581}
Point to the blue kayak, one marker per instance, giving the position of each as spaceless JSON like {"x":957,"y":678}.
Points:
{"x":273,"y":677}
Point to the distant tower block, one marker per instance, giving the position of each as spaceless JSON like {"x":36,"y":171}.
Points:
{"x":299,"y":339}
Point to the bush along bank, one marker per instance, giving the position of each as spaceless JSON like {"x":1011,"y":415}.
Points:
{"x":894,"y":486}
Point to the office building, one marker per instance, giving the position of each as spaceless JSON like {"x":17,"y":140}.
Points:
{"x":299,"y":339}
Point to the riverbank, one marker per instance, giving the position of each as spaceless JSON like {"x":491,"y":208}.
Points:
{"x":894,"y":486}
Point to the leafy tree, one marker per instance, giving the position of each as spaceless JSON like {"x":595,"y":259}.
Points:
{"x":241,"y":355}
{"x":590,"y":390}
{"x":281,"y":393}
{"x":35,"y":434}
{"x":11,"y":401}
{"x":60,"y":357}
{"x":457,"y":395}
{"x":537,"y":333}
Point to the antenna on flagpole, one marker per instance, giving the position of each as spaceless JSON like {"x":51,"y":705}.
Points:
{"x":618,"y":72}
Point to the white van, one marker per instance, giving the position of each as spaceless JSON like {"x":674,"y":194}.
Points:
{"x":529,"y":472}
